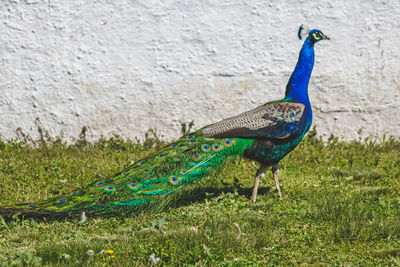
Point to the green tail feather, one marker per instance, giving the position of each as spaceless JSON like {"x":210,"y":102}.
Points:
{"x":144,"y":184}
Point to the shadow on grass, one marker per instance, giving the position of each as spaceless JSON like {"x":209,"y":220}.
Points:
{"x":200,"y":194}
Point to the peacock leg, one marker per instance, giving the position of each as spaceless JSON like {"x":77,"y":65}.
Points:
{"x":275,"y":171}
{"x":260,"y":174}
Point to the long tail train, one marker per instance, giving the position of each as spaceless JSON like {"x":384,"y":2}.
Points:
{"x":143,"y":184}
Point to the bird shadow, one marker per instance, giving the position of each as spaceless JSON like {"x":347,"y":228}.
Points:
{"x":201,"y":194}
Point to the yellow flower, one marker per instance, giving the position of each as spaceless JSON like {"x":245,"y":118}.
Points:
{"x":109,"y":251}
{"x":112,"y":256}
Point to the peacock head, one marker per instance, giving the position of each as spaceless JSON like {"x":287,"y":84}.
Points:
{"x":314,"y":35}
{"x":317,"y":35}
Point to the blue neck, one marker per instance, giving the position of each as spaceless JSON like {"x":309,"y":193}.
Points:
{"x":297,"y":87}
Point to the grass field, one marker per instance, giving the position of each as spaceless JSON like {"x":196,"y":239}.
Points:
{"x":340,"y":206}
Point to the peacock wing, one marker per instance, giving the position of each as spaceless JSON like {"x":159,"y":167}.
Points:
{"x":275,"y":120}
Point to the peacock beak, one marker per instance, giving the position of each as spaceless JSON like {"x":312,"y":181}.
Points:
{"x":324,"y":37}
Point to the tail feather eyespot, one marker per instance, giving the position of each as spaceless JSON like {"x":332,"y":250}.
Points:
{"x":228,"y":142}
{"x":133,"y":186}
{"x":217,"y":148}
{"x":109,"y":189}
{"x":197,"y":157}
{"x":174,"y":180}
{"x":205,"y":148}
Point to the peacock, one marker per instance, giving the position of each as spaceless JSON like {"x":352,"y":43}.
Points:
{"x":264,"y":134}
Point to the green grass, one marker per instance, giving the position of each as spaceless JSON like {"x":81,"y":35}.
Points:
{"x":341,"y":206}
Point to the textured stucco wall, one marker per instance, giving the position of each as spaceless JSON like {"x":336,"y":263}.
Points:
{"x":124,"y":66}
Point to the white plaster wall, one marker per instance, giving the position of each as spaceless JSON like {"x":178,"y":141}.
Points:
{"x":121,"y":66}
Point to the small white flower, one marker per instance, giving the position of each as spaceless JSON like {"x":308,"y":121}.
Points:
{"x":194,"y":229}
{"x":154,"y":259}
{"x":90,"y":252}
